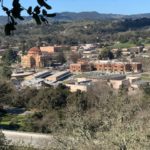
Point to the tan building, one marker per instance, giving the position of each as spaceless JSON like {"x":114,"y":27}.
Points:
{"x":50,"y":49}
{"x":58,"y":76}
{"x":76,"y":87}
{"x":116,"y":84}
{"x":53,"y":49}
{"x":133,"y":79}
{"x":34,"y":59}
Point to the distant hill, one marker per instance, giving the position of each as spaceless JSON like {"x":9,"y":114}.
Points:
{"x":72,"y":16}
{"x":86,"y":16}
{"x":138,"y":16}
{"x":3,"y":19}
{"x":96,"y":16}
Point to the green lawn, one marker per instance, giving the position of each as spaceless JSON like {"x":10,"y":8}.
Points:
{"x":123,"y":45}
{"x":146,"y":76}
{"x":12,"y":119}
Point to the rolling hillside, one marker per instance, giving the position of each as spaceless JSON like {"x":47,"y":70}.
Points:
{"x":72,"y":16}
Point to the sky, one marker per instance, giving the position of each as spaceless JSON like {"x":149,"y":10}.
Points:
{"x":101,"y":6}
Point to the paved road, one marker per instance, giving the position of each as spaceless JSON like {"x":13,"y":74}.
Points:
{"x":22,"y":138}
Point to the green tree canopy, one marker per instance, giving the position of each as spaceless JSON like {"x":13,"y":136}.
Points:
{"x":10,"y":56}
{"x":106,"y":54}
{"x":4,"y":144}
{"x":6,"y":72}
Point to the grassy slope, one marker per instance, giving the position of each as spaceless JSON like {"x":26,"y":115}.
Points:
{"x":9,"y":119}
{"x":123,"y":45}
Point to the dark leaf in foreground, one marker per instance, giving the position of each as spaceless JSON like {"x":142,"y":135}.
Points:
{"x":37,"y":19}
{"x":44,"y":20}
{"x":47,"y":6}
{"x":44,"y":12}
{"x":37,"y":10}
{"x":5,"y":9}
{"x":29,"y":11}
{"x":51,"y":15}
{"x":40,"y":2}
{"x":8,"y":28}
{"x":16,"y":3}
{"x":38,"y":13}
{"x":43,"y":3}
{"x":16,"y":12}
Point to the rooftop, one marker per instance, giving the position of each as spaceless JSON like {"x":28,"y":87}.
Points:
{"x":59,"y":74}
{"x":101,"y":75}
{"x":35,"y":50}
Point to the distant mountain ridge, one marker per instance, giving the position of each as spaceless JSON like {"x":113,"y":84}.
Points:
{"x":86,"y":16}
{"x":72,"y":16}
{"x":97,"y":16}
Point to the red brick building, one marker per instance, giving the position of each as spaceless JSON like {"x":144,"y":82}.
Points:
{"x":121,"y":67}
{"x":81,"y":66}
{"x":107,"y":66}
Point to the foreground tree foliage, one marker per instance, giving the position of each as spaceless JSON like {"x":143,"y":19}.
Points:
{"x":38,"y":13}
{"x":98,"y":119}
{"x":9,"y":56}
{"x":6,"y":92}
{"x":4,"y":144}
{"x":6,"y":72}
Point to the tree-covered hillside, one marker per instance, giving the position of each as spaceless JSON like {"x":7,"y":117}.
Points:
{"x":76,"y":32}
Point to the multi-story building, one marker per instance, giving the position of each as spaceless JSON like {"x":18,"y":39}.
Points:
{"x":80,"y":66}
{"x":107,"y":66}
{"x":34,"y":59}
{"x":121,"y":67}
{"x":52,"y":49}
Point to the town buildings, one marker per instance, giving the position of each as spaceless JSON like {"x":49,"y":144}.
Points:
{"x":119,"y":67}
{"x":34,"y":59}
{"x":89,"y":70}
{"x":58,"y":76}
{"x":52,"y":49}
{"x":79,"y":86}
{"x":107,"y":66}
{"x":81,"y":66}
{"x":38,"y":57}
